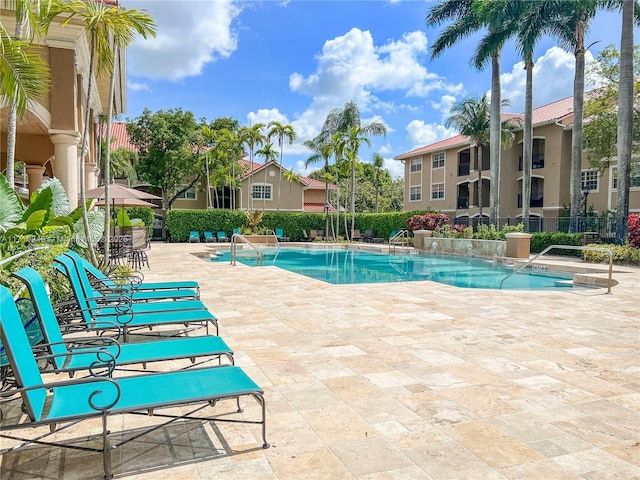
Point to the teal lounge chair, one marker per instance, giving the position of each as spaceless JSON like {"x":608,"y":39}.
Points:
{"x":236,"y":231}
{"x":74,"y":400}
{"x":137,"y":290}
{"x":106,"y":352}
{"x":95,"y":308}
{"x":222,"y":236}
{"x":208,"y":237}
{"x":280,"y":235}
{"x":194,"y":237}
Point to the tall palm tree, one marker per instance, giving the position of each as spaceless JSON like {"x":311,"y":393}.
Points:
{"x":468,"y":17}
{"x":625,"y":118}
{"x":281,"y":131}
{"x":323,"y":149}
{"x":269,"y":155}
{"x":378,"y":163}
{"x":348,"y":133}
{"x":251,"y":136}
{"x":17,"y":49}
{"x":109,"y":28}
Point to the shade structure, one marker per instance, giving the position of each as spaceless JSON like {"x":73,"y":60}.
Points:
{"x":120,"y":192}
{"x":127,"y":202}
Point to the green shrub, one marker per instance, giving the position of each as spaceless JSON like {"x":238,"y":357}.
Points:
{"x":542,"y":240}
{"x":622,"y":254}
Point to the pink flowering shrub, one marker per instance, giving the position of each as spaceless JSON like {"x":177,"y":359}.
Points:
{"x":428,"y":221}
{"x":634,"y":230}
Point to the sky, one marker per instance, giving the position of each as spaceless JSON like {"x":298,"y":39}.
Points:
{"x":294,"y":61}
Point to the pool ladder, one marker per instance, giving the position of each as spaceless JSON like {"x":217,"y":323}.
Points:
{"x":256,"y":251}
{"x":400,"y":239}
{"x":567,"y":247}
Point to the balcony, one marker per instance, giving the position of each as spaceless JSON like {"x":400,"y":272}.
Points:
{"x":464,"y":169}
{"x":537,"y":161}
{"x":463,"y":203}
{"x":535,"y":202}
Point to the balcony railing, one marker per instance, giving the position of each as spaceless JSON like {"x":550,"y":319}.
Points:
{"x":536,"y":201}
{"x":537,"y":161}
{"x":463,"y":169}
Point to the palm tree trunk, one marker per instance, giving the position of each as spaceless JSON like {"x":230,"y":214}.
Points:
{"x":107,"y":155}
{"x":250,"y":188}
{"x":495,"y":146}
{"x":479,"y":154}
{"x":12,"y":121}
{"x":326,"y":200}
{"x":83,"y":153}
{"x":625,"y":119}
{"x":576,"y":138}
{"x":377,"y":188}
{"x":527,"y":142}
{"x":280,"y":174}
{"x":353,"y":198}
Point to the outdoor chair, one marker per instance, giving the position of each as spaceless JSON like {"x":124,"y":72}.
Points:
{"x":236,"y":231}
{"x":134,"y":285}
{"x":356,"y":236}
{"x":208,"y":237}
{"x":222,"y":237}
{"x":367,"y":236}
{"x":194,"y":237}
{"x":94,"y":354}
{"x":94,"y":308}
{"x":71,"y":401}
{"x":280,"y":234}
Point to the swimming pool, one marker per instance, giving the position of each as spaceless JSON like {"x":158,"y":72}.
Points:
{"x":341,"y":266}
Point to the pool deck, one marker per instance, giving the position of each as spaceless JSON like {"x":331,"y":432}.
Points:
{"x":395,"y":381}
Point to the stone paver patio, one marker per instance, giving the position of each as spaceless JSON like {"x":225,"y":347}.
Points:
{"x":394,"y":381}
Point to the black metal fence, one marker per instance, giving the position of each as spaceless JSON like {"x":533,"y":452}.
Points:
{"x":605,"y":227}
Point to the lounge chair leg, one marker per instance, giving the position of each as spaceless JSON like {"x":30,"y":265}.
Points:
{"x":106,"y":449}
{"x":260,"y":400}
{"x":238,"y":403}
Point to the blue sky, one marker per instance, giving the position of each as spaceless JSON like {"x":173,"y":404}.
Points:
{"x":293,"y":61}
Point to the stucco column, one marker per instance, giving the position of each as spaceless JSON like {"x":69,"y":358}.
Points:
{"x":91,"y":174}
{"x":65,"y":163}
{"x":35,"y":173}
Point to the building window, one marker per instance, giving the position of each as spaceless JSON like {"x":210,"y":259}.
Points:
{"x":189,"y":194}
{"x":635,"y":177}
{"x":437,"y":191}
{"x":416,"y":164}
{"x":415,"y":194}
{"x":590,"y":180}
{"x":437,"y":160}
{"x":261,"y":191}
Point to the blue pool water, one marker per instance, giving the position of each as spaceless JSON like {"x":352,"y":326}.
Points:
{"x":340,"y":266}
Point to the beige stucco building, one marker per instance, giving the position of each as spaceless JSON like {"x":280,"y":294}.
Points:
{"x":49,"y":136}
{"x":445,"y":175}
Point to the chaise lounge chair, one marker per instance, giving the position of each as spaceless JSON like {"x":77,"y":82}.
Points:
{"x":94,"y":308}
{"x":280,"y":235}
{"x":135,"y":288}
{"x":105,"y":352}
{"x":208,"y":237}
{"x":194,"y":237}
{"x":71,"y":401}
{"x":222,"y":236}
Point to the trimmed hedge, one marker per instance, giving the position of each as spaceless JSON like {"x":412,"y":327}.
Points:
{"x":541,"y":240}
{"x":622,"y":254}
{"x":180,"y":222}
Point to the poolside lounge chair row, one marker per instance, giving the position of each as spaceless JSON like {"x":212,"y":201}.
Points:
{"x":99,"y":395}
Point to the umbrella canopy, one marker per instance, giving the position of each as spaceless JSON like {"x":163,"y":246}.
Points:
{"x":127,"y":202}
{"x":120,"y":192}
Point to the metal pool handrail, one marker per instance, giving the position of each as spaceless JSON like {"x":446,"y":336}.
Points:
{"x":567,"y":247}
{"x":239,"y":237}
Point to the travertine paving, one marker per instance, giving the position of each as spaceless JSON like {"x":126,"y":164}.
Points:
{"x":395,"y":381}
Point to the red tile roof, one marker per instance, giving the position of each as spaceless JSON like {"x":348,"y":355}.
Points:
{"x":560,"y":111}
{"x":317,"y":207}
{"x":307,"y":182}
{"x":119,"y":133}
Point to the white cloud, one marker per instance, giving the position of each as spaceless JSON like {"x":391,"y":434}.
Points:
{"x":395,"y":167}
{"x":137,"y":87}
{"x":443,"y":105}
{"x":421,"y":134}
{"x":265,"y":116}
{"x":187,"y":38}
{"x":553,"y":75}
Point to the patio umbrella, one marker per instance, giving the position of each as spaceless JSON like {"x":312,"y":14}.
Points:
{"x":127,"y":202}
{"x":120,"y":192}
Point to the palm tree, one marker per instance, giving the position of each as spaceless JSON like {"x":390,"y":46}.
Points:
{"x":469,"y":16}
{"x":625,"y":118}
{"x":378,"y":163}
{"x":323,"y":149}
{"x":347,"y":132}
{"x":25,"y":73}
{"x":270,"y":155}
{"x":277,"y":129}
{"x":251,"y":136}
{"x":106,"y":25}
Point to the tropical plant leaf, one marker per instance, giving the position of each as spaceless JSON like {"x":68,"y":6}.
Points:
{"x":40,"y":201}
{"x":61,"y":205}
{"x":36,"y":220}
{"x":62,"y":220}
{"x":96,"y":229}
{"x":11,"y":207}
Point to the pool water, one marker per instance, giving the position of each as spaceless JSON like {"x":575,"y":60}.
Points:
{"x":340,"y":266}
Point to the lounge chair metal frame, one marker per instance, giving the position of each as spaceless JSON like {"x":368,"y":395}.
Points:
{"x":106,"y":396}
{"x":71,"y":355}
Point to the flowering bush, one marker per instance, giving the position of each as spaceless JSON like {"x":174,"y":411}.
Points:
{"x":428,"y":221}
{"x":634,"y":230}
{"x":453,"y":231}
